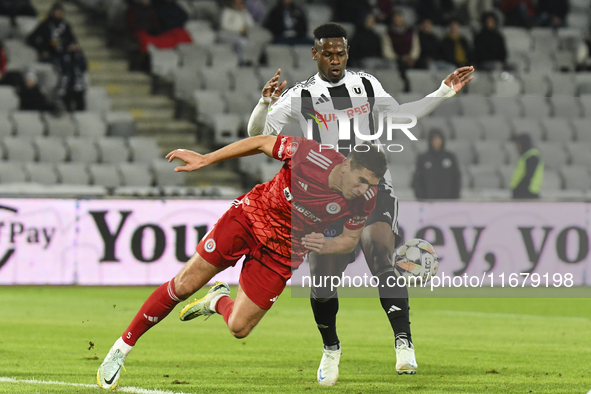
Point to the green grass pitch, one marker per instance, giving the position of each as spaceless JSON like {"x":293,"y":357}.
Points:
{"x":61,"y":334}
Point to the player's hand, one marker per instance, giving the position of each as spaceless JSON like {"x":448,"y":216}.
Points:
{"x":459,"y":78}
{"x":193,"y":160}
{"x":314,"y":242}
{"x":273,"y":87}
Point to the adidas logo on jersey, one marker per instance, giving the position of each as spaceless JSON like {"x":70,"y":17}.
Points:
{"x":303,"y":185}
{"x":322,"y":99}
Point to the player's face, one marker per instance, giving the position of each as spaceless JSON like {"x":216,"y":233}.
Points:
{"x":331,"y":55}
{"x":356,"y":182}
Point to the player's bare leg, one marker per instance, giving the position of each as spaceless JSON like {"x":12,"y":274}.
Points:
{"x":378,"y":243}
{"x":194,"y":275}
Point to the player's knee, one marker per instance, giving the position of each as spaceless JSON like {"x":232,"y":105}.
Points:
{"x":239,"y":330}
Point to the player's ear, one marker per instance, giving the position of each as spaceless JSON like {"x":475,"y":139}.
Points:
{"x":314,"y":53}
{"x":346,"y":165}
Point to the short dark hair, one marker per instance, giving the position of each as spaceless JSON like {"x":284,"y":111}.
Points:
{"x":371,"y":158}
{"x":330,"y":30}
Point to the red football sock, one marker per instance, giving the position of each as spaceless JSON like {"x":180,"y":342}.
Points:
{"x":224,"y":307}
{"x":157,"y":307}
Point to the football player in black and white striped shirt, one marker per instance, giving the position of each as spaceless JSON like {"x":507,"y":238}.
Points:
{"x":334,"y":88}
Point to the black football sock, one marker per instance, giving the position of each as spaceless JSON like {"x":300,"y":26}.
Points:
{"x":395,"y":303}
{"x":325,"y":314}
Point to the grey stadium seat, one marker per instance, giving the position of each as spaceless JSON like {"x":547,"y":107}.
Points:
{"x":193,"y":56}
{"x":265,"y":73}
{"x":73,"y":174}
{"x":144,"y":149}
{"x":226,"y":128}
{"x":51,"y":149}
{"x":62,"y":126}
{"x":511,"y":151}
{"x":553,"y":154}
{"x":582,"y":127}
{"x":466,"y":128}
{"x":25,"y":25}
{"x":482,"y":84}
{"x":302,"y":55}
{"x":82,"y":150}
{"x":28,"y":123}
{"x":113,"y":149}
{"x":401,"y":175}
{"x":421,"y":81}
{"x":390,"y":80}
{"x":528,"y":125}
{"x":239,"y":102}
{"x":535,"y":107}
{"x":90,"y":124}
{"x":496,"y":127}
{"x":506,"y":173}
{"x":474,"y":105}
{"x":6,"y":126}
{"x":97,"y":99}
{"x":12,"y":173}
{"x":576,"y":177}
{"x":408,"y":156}
{"x":163,"y":62}
{"x":518,"y":39}
{"x":506,"y":85}
{"x":535,"y":84}
{"x":136,"y":174}
{"x":19,"y":149}
{"x":558,"y":129}
{"x":567,"y":106}
{"x":223,"y":57}
{"x":215,"y":78}
{"x":186,"y":80}
{"x":433,"y":122}
{"x":201,"y":32}
{"x":462,"y":149}
{"x":585,"y":102}
{"x":579,"y":153}
{"x":489,"y":153}
{"x":563,"y":84}
{"x":209,"y":103}
{"x":552,"y":181}
{"x":120,"y":123}
{"x":449,"y":108}
{"x":247,"y":81}
{"x":506,"y":106}
{"x":164,"y":173}
{"x":5,"y":28}
{"x":42,"y":173}
{"x":9,"y":100}
{"x":484,"y":177}
{"x":105,"y":175}
{"x":279,"y":56}
{"x":19,"y":54}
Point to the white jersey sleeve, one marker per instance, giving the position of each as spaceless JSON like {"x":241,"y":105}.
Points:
{"x":283,"y":113}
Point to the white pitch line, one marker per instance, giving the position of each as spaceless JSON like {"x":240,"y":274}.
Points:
{"x":135,"y":390}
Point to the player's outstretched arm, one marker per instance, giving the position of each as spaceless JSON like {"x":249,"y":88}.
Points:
{"x":247,"y":147}
{"x":343,"y":244}
{"x":270,"y":93}
{"x":459,"y":78}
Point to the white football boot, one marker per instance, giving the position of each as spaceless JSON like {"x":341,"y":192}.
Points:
{"x":405,"y":358}
{"x":205,"y":306}
{"x":328,"y":371}
{"x":109,"y":372}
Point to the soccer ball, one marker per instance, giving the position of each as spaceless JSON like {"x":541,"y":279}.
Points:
{"x":416,"y":258}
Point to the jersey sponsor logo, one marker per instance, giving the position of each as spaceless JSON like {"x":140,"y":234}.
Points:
{"x":303,"y":185}
{"x":246,"y":200}
{"x":357,"y":220}
{"x":333,"y":208}
{"x":330,"y":232}
{"x":305,"y":212}
{"x":287,"y":194}
{"x":281,"y":147}
{"x":317,"y":116}
{"x":292,"y":149}
{"x":209,"y":245}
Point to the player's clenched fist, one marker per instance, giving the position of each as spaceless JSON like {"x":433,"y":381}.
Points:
{"x":314,"y":242}
{"x":193,"y":160}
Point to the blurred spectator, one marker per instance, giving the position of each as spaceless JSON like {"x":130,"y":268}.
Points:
{"x":14,"y":8}
{"x":437,"y":174}
{"x":355,"y":11}
{"x":429,"y":44}
{"x":455,"y":48}
{"x":235,"y":23}
{"x":440,"y":12}
{"x":257,"y":9}
{"x":288,"y":23}
{"x":518,"y":12}
{"x":475,"y":9}
{"x":529,"y":173}
{"x":53,"y":37}
{"x":401,"y":44}
{"x":553,"y":13}
{"x":3,"y":60}
{"x":161,"y":25}
{"x":366,"y":43}
{"x":490,"y":51}
{"x":31,"y":97}
{"x":72,"y":85}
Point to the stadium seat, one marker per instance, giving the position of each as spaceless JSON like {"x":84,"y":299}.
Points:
{"x":421,"y":81}
{"x":462,"y":149}
{"x":268,"y":169}
{"x":318,"y":14}
{"x":566,"y":106}
{"x":496,"y":127}
{"x":82,"y":150}
{"x":528,"y":125}
{"x":193,"y":57}
{"x":51,"y":149}
{"x":391,"y":81}
{"x":163,"y":62}
{"x":62,"y":126}
{"x":28,"y":123}
{"x":433,"y":122}
{"x":11,"y":172}
{"x":266,"y":73}
{"x":259,"y":35}
{"x":583,"y":81}
{"x":484,"y":177}
{"x":164,"y":174}
{"x":558,"y":129}
{"x":407,"y":157}
{"x":474,"y":105}
{"x":506,"y":85}
{"x":246,"y":80}
{"x":249,"y":165}
{"x":106,"y":175}
{"x":19,"y":55}
{"x":216,"y":79}
{"x":19,"y":149}
{"x":120,"y":123}
{"x":579,"y":153}
{"x":585,"y":102}
{"x":5,"y":28}
{"x":6,"y":126}
{"x":553,"y":154}
{"x":25,"y":25}
{"x":97,"y":99}
{"x":563,"y":84}
{"x":302,"y":55}
{"x":89,"y":124}
{"x":506,"y":173}
{"x":535,"y":84}
{"x":135,"y":174}
{"x":48,"y":77}
{"x":481,"y":84}
{"x":113,"y":149}
{"x":208,"y":103}
{"x":279,"y":56}
{"x":240,"y":103}
{"x":544,"y":39}
{"x":9,"y":100}
{"x":517,"y":39}
{"x":42,"y":173}
{"x":507,"y":107}
{"x":576,"y":177}
{"x":144,"y":149}
{"x":223,"y":57}
{"x":541,"y":60}
{"x":449,"y":108}
{"x":565,"y":60}
{"x":552,"y":181}
{"x":185,"y":81}
{"x":511,"y":152}
{"x":73,"y":174}
{"x":226,"y":128}
{"x":535,"y":106}
{"x":466,"y":128}
{"x":404,"y":98}
{"x":200,"y":34}
{"x":581,"y":128}
{"x":401,"y":176}
{"x":489,"y":153}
